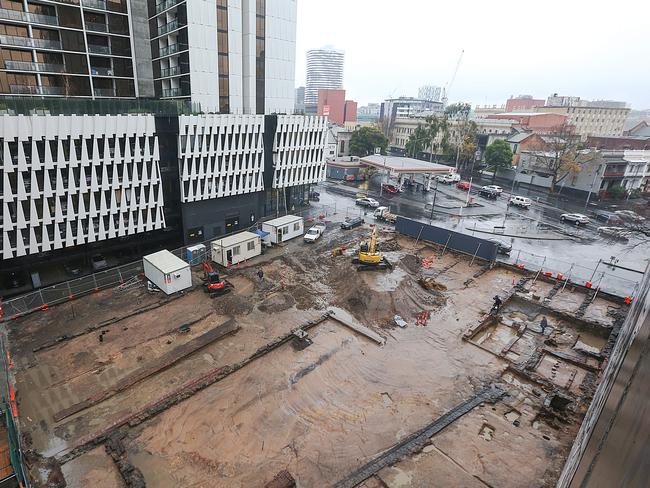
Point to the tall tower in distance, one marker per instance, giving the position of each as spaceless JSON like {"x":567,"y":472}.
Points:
{"x":324,"y":71}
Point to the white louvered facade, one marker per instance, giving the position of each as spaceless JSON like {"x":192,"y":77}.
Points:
{"x":220,"y":156}
{"x":299,"y":150}
{"x":72,"y":180}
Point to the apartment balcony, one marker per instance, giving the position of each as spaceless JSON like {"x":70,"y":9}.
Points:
{"x":168,"y":27}
{"x":614,"y":174}
{"x":164,"y":5}
{"x":175,"y":92}
{"x":97,"y":49}
{"x":101,"y":71}
{"x":172,"y":49}
{"x":173,"y":71}
{"x":96,"y":27}
{"x":36,"y":90}
{"x":29,"y":66}
{"x":19,"y":15}
{"x":98,"y":4}
{"x":104,"y":92}
{"x":30,"y":42}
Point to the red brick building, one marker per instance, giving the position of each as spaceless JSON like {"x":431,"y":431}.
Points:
{"x":350,"y":114}
{"x":523,"y":104}
{"x":333,"y":104}
{"x":619,"y":143}
{"x":538,"y":122}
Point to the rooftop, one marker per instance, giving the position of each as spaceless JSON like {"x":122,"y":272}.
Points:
{"x":236,"y":239}
{"x":287,"y":219}
{"x":165,"y":261}
{"x":404,"y":165}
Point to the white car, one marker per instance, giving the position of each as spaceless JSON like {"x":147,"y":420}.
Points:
{"x":367,"y":202}
{"x":615,"y":232}
{"x":314,"y":233}
{"x":574,"y":218}
{"x":449,"y":178}
{"x":520,"y":201}
{"x":495,"y":188}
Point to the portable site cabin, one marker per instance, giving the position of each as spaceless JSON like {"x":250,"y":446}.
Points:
{"x":236,"y":248}
{"x":167,"y":272}
{"x":283,"y":228}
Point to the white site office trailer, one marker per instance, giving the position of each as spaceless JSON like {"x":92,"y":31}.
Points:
{"x":168,"y":272}
{"x":284,"y":228}
{"x":236,"y":248}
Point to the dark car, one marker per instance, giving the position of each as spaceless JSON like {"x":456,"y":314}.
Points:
{"x":352,"y":223}
{"x":488,"y":193}
{"x":608,"y":217}
{"x":502,"y":247}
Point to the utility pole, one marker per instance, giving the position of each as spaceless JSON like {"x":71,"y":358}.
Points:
{"x":591,"y":188}
{"x":433,"y":204}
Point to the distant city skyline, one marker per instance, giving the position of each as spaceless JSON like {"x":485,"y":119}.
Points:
{"x":391,"y":50}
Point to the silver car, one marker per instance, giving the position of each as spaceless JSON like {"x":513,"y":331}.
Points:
{"x":574,"y":218}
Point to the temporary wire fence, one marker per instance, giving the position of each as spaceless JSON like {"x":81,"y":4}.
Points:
{"x":601,"y":276}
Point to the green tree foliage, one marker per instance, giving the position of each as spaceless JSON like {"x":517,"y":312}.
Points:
{"x":364,"y":140}
{"x":498,"y":155}
{"x":617,"y":192}
{"x":417,"y":141}
{"x":458,"y":110}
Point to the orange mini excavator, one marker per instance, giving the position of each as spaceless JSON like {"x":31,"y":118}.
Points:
{"x":213,"y":284}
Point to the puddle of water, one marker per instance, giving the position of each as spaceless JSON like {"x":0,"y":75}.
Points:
{"x":592,"y":340}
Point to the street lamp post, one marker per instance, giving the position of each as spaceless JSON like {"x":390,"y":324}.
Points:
{"x":433,"y":204}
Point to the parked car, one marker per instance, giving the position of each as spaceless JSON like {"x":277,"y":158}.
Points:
{"x":449,"y":178}
{"x":522,"y":202}
{"x":615,"y":232}
{"x":98,"y":262}
{"x":388,"y":188}
{"x":574,"y":218}
{"x":488,"y":193}
{"x":502,"y":247}
{"x":495,"y":188}
{"x":464,"y":185}
{"x":367,"y":202}
{"x":314,"y":233}
{"x":630,"y":215}
{"x":608,"y":217}
{"x":351,"y":223}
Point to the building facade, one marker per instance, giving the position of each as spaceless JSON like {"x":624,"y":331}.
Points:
{"x":332,"y":104}
{"x":523,"y":103}
{"x":535,"y":121}
{"x":589,"y":118}
{"x":228,"y":57}
{"x":74,"y":49}
{"x":324,"y":71}
{"x":299,"y":107}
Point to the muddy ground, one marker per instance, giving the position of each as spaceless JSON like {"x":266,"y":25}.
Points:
{"x":319,"y":412}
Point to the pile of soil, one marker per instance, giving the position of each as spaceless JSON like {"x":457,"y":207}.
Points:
{"x":231,"y":304}
{"x":390,"y":245}
{"x":429,"y":283}
{"x":411,"y":263}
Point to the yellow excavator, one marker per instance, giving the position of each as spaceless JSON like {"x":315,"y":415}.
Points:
{"x":369,"y":257}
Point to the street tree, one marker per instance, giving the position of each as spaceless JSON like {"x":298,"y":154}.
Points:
{"x":498,"y":155}
{"x":561,"y":154}
{"x":364,"y":140}
{"x":417,"y":141}
{"x":462,"y":146}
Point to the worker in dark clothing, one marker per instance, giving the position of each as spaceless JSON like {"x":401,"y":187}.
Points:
{"x":260,"y":275}
{"x":543,"y":324}
{"x":497,"y":304}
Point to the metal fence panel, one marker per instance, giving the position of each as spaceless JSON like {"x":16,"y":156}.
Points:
{"x":474,"y":246}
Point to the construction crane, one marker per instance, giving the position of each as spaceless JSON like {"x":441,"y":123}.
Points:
{"x":369,"y":257}
{"x":447,"y":88}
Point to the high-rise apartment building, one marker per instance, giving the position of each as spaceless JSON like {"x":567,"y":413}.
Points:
{"x":74,"y":49}
{"x":324,"y":71}
{"x":229,"y":57}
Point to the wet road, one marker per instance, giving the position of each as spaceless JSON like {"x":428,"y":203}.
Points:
{"x":537,"y":235}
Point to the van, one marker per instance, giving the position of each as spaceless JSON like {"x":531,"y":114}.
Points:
{"x":520,"y":201}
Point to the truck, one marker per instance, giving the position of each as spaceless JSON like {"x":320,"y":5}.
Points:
{"x":448,"y":179}
{"x":314,"y":232}
{"x":383,"y":213}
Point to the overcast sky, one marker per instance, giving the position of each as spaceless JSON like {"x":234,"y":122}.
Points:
{"x":592,"y":49}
